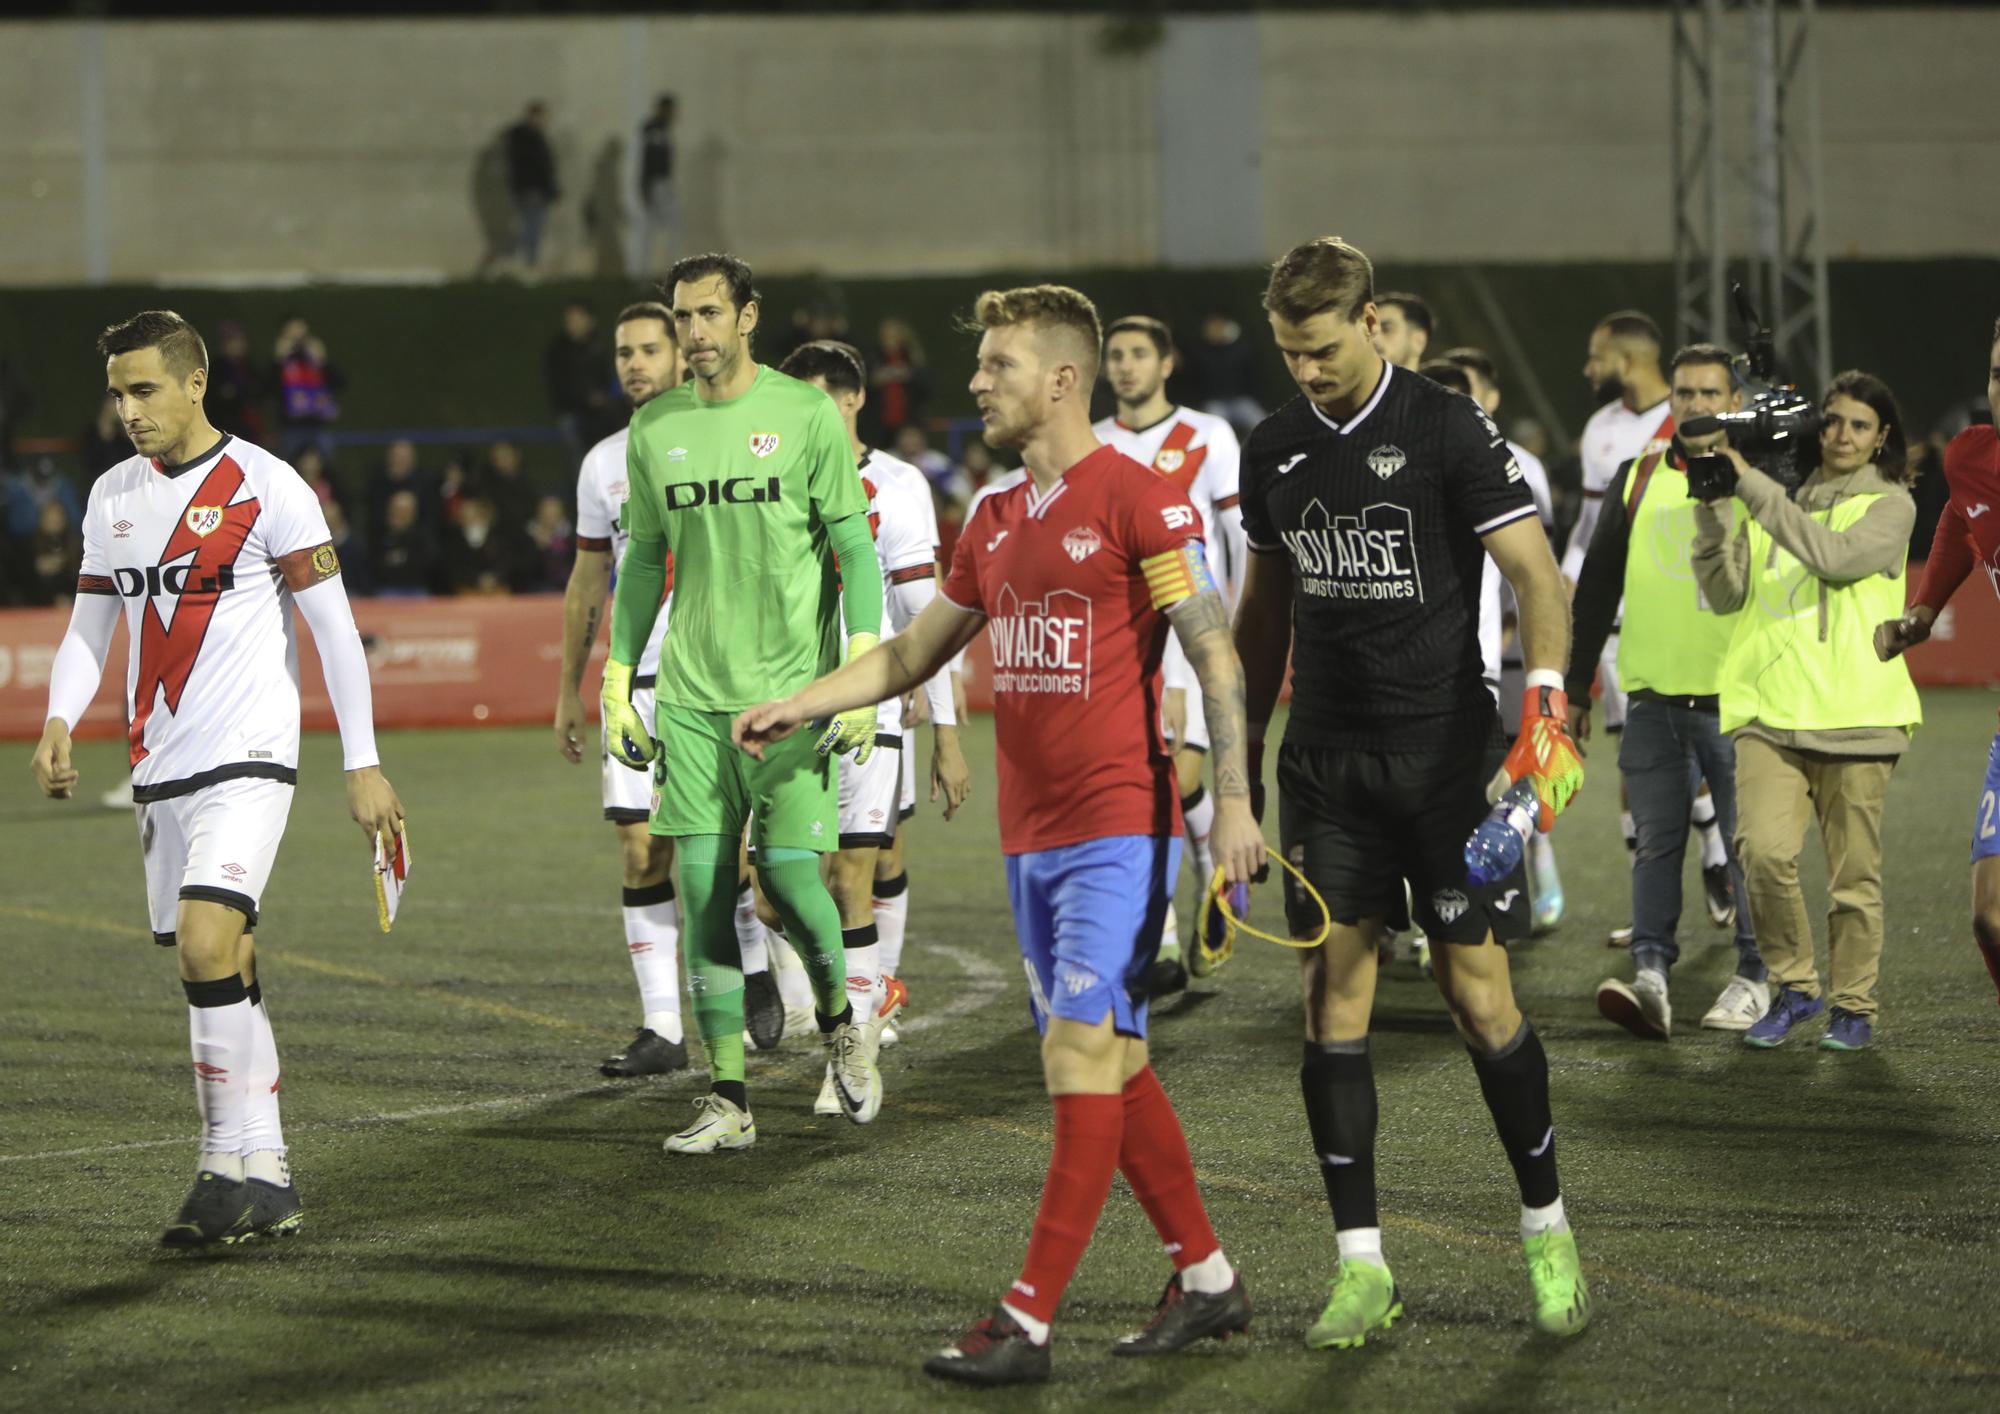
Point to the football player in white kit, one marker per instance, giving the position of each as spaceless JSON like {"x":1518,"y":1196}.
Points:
{"x":647,"y":362}
{"x":871,"y":783}
{"x":1544,"y":880}
{"x":207,"y":544}
{"x":1199,"y":454}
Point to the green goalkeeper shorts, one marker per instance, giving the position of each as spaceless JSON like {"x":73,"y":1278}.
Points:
{"x":704,"y":784}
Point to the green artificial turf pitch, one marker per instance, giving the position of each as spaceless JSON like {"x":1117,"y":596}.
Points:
{"x":491,"y":1225}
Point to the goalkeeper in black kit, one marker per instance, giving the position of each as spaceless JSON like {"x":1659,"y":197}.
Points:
{"x":1370,"y":503}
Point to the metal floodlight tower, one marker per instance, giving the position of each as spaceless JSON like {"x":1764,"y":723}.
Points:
{"x":1746,"y":176}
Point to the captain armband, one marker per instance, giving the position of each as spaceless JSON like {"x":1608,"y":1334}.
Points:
{"x":1177,"y":574}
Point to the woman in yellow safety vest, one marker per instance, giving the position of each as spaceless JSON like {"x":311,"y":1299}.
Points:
{"x":1818,"y":720}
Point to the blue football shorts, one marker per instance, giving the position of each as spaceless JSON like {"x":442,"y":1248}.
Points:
{"x":1089,"y":917}
{"x":1986,"y":819}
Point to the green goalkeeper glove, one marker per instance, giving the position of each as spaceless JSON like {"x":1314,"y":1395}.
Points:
{"x":854,"y":729}
{"x":625,"y":736}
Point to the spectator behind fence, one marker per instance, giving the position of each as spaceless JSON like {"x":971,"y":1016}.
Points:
{"x":554,"y":542}
{"x":659,"y":200}
{"x":313,"y":470}
{"x":104,"y":443}
{"x":579,"y":392}
{"x":531,"y":181}
{"x":352,"y":547}
{"x":899,"y":377}
{"x":406,"y":557}
{"x":53,"y":555}
{"x":1224,"y":376}
{"x":454,"y":485}
{"x":237,"y":386}
{"x":1819,"y":722}
{"x":307,"y":383}
{"x":502,"y":482}
{"x":33,"y":485}
{"x":480,"y":556}
{"x":399,"y":470}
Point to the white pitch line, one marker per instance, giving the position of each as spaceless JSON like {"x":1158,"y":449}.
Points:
{"x":984,"y":981}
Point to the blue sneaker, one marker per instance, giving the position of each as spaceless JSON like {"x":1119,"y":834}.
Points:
{"x":1788,"y":1009}
{"x":1846,"y":1031}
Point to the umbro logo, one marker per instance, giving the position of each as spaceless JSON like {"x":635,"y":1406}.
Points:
{"x":234,"y":871}
{"x":1975,"y":512}
{"x":124,"y":528}
{"x":1289,"y":462}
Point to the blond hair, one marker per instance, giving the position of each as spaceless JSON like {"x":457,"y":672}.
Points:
{"x":1322,"y":276}
{"x":1056,"y":307}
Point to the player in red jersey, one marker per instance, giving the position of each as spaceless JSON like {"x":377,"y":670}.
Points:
{"x":1079,"y":571}
{"x":205,"y":544}
{"x":1968,"y":534}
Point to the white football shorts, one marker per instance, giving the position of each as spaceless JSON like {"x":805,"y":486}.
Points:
{"x":217,"y":844}
{"x":868,"y":795}
{"x":628,"y":794}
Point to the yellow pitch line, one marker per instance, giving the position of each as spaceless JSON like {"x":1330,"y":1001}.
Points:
{"x":1684,"y":1295}
{"x":290,"y":956}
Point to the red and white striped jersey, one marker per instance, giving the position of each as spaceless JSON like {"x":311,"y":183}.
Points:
{"x":601,"y":487}
{"x":212,"y":679}
{"x":1198,"y":454}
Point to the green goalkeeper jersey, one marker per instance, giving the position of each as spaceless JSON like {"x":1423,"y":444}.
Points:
{"x":741,"y":492}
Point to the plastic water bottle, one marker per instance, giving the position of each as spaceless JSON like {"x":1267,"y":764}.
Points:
{"x":1494,"y":849}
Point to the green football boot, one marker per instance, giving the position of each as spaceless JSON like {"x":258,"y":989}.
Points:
{"x":1361,"y":1298}
{"x":1562,"y":1300}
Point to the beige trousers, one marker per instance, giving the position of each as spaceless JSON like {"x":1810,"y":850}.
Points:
{"x":1778,"y":791}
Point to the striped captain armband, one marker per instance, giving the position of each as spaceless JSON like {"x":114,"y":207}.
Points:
{"x":1174,"y":575}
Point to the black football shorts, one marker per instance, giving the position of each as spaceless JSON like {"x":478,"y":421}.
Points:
{"x":1360,"y":823}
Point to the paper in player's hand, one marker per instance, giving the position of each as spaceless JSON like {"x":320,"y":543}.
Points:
{"x":392,"y":867}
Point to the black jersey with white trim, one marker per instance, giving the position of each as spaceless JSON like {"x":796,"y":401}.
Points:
{"x":1380,"y":518}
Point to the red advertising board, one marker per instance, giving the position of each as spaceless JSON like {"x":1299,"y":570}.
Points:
{"x":460,"y":662}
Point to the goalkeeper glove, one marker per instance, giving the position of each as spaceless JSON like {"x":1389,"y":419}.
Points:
{"x":854,"y":729}
{"x":1545,"y":754}
{"x":625,"y":736}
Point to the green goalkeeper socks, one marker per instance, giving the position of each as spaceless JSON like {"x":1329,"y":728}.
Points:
{"x":812,"y":921}
{"x":708,"y":937}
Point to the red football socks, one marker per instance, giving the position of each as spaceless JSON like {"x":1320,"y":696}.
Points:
{"x":1088,"y":1131}
{"x":1154,"y":1159}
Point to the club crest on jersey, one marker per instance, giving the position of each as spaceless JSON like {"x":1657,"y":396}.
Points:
{"x":1080,"y":544}
{"x":762,"y":444}
{"x":1386,"y":461}
{"x":1169,"y":461}
{"x":203,"y":520}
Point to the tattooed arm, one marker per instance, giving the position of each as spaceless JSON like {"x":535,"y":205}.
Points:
{"x":583,"y":610}
{"x":1201,"y":622}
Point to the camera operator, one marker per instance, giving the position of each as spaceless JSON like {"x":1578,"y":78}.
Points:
{"x":1819,"y":721}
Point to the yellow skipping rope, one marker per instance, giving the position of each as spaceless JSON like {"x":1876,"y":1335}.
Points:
{"x":1215,"y":897}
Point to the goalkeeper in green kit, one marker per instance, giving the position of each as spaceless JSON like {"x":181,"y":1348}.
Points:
{"x":746,"y":478}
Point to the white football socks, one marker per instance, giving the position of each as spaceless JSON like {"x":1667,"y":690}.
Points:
{"x":652,"y":936}
{"x":1210,"y":1275}
{"x":263,"y":1134}
{"x":794,"y":982}
{"x":222,"y":1040}
{"x":750,"y":931}
{"x":1038,"y":1331}
{"x":1540,"y":1220}
{"x":1360,"y":1244}
{"x":892,"y":918}
{"x":1199,"y":811}
{"x":1703,"y":818}
{"x":864,"y":970}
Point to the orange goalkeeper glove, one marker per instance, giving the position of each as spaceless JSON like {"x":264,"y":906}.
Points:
{"x":1544,"y":752}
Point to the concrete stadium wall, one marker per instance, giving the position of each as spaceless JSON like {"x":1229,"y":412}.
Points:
{"x":246,"y":151}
